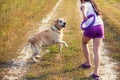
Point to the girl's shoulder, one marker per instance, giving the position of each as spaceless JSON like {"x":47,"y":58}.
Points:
{"x":82,"y":6}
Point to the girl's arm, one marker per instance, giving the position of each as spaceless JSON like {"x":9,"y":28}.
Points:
{"x":84,"y":11}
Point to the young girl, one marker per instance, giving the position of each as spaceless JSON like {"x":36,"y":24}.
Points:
{"x":95,"y":32}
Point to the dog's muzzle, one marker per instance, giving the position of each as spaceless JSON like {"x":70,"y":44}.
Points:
{"x":64,"y":24}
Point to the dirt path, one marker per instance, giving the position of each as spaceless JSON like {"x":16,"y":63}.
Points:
{"x":19,"y":67}
{"x":108,"y":71}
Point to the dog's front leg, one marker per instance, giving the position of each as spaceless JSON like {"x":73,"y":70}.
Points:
{"x":61,"y":45}
{"x":63,"y":42}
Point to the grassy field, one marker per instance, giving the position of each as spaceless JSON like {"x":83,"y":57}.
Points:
{"x":19,"y":17}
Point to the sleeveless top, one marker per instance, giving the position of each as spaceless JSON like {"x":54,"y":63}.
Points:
{"x":90,"y":10}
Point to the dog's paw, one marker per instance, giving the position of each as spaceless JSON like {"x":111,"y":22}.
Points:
{"x":38,"y":56}
{"x":35,"y":60}
{"x":22,"y":52}
{"x":66,"y":45}
{"x":60,"y":50}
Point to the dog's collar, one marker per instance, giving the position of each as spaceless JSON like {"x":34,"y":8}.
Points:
{"x":57,"y":27}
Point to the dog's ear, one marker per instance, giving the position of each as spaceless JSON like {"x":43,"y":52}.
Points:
{"x":56,"y":22}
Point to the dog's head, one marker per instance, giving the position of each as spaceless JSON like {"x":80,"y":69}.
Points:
{"x":61,"y":23}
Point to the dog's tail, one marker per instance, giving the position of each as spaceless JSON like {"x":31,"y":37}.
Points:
{"x":26,"y":48}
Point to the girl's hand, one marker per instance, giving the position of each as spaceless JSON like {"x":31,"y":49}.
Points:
{"x":85,"y":18}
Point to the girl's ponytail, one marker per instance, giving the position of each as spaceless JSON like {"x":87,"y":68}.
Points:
{"x":96,"y":7}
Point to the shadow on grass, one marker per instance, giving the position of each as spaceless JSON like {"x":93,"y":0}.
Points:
{"x":44,"y":76}
{"x":6,"y":64}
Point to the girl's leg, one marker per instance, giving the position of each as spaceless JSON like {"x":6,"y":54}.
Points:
{"x":96,"y":50}
{"x":85,"y":41}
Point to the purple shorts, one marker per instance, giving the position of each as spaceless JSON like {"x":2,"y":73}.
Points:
{"x":95,"y":32}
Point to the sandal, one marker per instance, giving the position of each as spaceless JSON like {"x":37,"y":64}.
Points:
{"x":85,"y":66}
{"x":95,"y":77}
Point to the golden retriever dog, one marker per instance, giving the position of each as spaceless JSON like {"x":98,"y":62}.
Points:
{"x":52,"y":35}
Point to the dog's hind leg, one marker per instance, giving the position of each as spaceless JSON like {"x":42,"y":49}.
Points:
{"x":35,"y":52}
{"x":25,"y":49}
